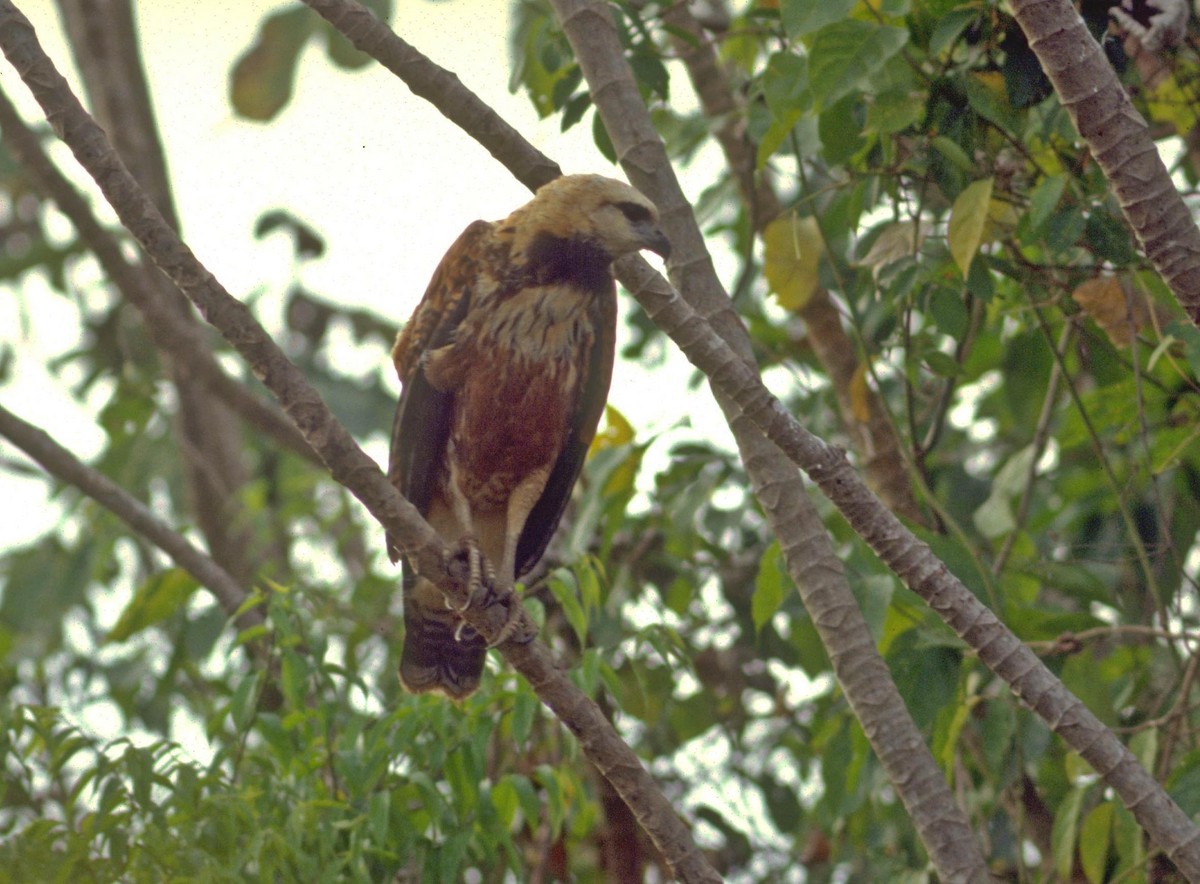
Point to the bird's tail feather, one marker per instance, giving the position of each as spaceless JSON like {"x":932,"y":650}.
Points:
{"x":434,"y":659}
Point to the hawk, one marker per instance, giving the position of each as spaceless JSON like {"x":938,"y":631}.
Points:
{"x":505,"y":367}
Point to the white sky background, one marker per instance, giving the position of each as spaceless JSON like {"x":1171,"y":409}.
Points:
{"x":387,"y":180}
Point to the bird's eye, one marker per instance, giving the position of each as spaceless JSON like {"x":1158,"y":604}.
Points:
{"x":634,"y":212}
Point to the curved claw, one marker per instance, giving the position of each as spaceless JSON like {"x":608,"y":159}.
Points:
{"x":514,"y":622}
{"x":477,"y":568}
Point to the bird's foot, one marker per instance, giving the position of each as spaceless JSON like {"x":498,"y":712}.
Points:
{"x":469,"y":565}
{"x":517,"y":627}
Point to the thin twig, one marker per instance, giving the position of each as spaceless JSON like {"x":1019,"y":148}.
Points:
{"x":1041,"y":436}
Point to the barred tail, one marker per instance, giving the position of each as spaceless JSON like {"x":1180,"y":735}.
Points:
{"x":433,"y":659}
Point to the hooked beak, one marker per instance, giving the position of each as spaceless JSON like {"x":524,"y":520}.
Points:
{"x":656,"y":241}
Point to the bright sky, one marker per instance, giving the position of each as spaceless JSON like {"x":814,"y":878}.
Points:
{"x":381,"y":175}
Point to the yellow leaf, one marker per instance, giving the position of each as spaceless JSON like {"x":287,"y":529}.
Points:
{"x":860,"y":394}
{"x":617,"y":431}
{"x":1168,"y":103}
{"x":1002,"y":216}
{"x":1115,"y":308}
{"x":1095,"y":837}
{"x":792,"y":255}
{"x":967,"y":220}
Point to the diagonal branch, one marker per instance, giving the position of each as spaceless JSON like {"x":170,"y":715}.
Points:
{"x":61,"y":463}
{"x":896,"y":546}
{"x":1120,"y":141}
{"x":347,"y":463}
{"x":808,"y":551}
{"x":168,"y":330}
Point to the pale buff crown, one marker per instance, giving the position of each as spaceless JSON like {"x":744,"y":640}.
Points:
{"x":591,"y":207}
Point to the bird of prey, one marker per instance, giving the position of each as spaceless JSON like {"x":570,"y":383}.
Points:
{"x":505,"y":367}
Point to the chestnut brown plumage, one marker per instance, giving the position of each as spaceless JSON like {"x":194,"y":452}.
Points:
{"x":505,"y":367}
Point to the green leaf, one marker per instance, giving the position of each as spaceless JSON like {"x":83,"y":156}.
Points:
{"x":1129,"y":840}
{"x":378,"y":812}
{"x":603,"y":142}
{"x":845,"y":55}
{"x":1184,"y":783}
{"x":948,"y":28}
{"x":840,"y":127}
{"x":651,"y":74}
{"x":506,"y":800}
{"x":802,"y":17}
{"x":1095,"y":837}
{"x":262,"y":80}
{"x":565,"y":588}
{"x":988,"y":98}
{"x":953,"y":153}
{"x":770,"y":586}
{"x":893,"y":112}
{"x":949,"y":312}
{"x":968,"y":219}
{"x":782,"y":803}
{"x":942,"y":364}
{"x":1043,"y":200}
{"x":524,"y":707}
{"x":1063,"y":836}
{"x":691,"y":717}
{"x":785,"y":85}
{"x":1144,"y":745}
{"x":153,"y":602}
{"x":245,"y":697}
{"x":947,"y":744}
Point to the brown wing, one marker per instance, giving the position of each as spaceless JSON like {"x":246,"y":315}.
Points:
{"x":422,"y":424}
{"x":597,"y":375}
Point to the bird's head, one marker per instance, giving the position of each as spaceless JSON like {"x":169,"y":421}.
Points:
{"x":601,"y":211}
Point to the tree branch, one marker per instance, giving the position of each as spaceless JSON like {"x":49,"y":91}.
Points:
{"x":808,"y":551}
{"x":347,"y":463}
{"x":168,"y":331}
{"x":61,"y":463}
{"x":1120,"y":141}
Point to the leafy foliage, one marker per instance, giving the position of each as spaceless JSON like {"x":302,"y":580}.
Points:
{"x":1038,"y":372}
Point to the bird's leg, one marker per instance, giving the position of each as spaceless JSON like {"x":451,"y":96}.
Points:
{"x":520,"y":504}
{"x":467,"y":552}
{"x":484,"y":587}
